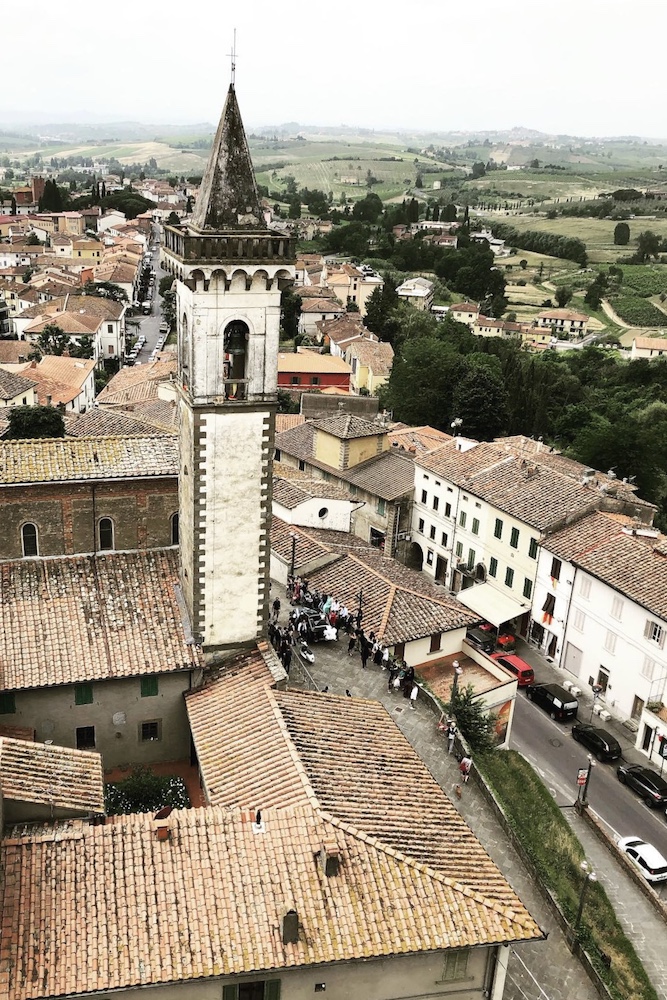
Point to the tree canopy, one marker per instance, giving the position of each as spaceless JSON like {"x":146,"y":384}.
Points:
{"x":35,"y":422}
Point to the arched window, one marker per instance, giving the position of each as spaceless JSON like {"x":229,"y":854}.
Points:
{"x":236,"y":346}
{"x":29,"y":540}
{"x":174,"y":528}
{"x":106,"y":533}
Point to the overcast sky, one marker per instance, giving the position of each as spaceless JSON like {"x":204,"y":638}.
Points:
{"x":583,"y":67}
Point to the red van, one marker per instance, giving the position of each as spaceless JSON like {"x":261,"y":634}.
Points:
{"x":522,"y":671}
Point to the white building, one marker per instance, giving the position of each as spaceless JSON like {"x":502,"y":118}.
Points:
{"x":418,"y":292}
{"x":599,"y":610}
{"x":480,"y":513}
{"x":648,"y":347}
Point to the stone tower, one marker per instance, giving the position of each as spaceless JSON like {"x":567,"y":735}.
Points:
{"x":230,"y":270}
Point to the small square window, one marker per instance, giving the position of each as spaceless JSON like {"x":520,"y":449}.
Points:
{"x":421,"y":525}
{"x":315,"y":380}
{"x":83,"y":694}
{"x":456,"y":965}
{"x":429,"y":557}
{"x":514,"y":538}
{"x":7,"y":703}
{"x":85,"y":738}
{"x":151,"y":732}
{"x":509,"y":576}
{"x":295,"y":380}
{"x":493,"y":566}
{"x":149,"y":687}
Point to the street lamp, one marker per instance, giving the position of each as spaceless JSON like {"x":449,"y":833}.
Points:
{"x":584,"y":794}
{"x":458,"y":670}
{"x":360,"y":597}
{"x":294,"y":538}
{"x":589,"y":876}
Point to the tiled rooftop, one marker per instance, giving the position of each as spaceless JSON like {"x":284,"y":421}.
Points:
{"x":12,"y":385}
{"x":51,"y":775}
{"x":128,"y":911}
{"x":378,"y":356}
{"x":128,"y":377}
{"x":347,"y":426}
{"x":110,"y":421}
{"x":634,"y":565}
{"x":417,"y":439}
{"x":85,"y":618}
{"x":290,"y":494}
{"x":66,"y":460}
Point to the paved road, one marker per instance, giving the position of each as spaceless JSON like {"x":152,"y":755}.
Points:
{"x":550,"y":748}
{"x":150,"y":325}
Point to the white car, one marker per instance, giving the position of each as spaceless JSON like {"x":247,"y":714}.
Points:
{"x":647,"y":858}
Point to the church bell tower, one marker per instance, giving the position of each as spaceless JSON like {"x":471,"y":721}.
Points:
{"x":230,"y":270}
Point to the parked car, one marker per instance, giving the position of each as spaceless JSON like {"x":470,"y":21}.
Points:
{"x":319,"y":629}
{"x":164,"y":327}
{"x":646,"y":857}
{"x":554,"y":699}
{"x":601,"y":743}
{"x":644,"y":781}
{"x":504,"y":639}
{"x":516,"y":665}
{"x":481,"y":640}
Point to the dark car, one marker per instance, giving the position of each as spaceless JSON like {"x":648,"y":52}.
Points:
{"x":601,"y":743}
{"x":554,"y":699}
{"x":480,"y":639}
{"x":644,"y":781}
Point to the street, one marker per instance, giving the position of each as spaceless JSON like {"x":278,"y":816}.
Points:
{"x":550,"y":748}
{"x":149,"y":325}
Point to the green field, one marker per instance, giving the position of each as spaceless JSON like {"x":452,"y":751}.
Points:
{"x":597,"y":234}
{"x":637,"y":311}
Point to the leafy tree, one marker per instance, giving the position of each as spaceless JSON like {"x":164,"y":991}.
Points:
{"x":351,"y":239}
{"x":33,"y":240}
{"x":621,"y":234}
{"x":52,"y":198}
{"x":35,"y":422}
{"x":476,"y":725}
{"x":14,"y":208}
{"x":419,"y":182}
{"x":523,"y":264}
{"x":144,"y":791}
{"x":381,"y":302}
{"x":173,"y":219}
{"x":479,"y":399}
{"x":52,"y":340}
{"x":478,"y":170}
{"x":563,"y":295}
{"x":290,"y":312}
{"x":165,"y":283}
{"x":368,"y":209}
{"x":106,"y":290}
{"x":286,"y":402}
{"x":294,"y":207}
{"x":316,"y":202}
{"x":27,"y":275}
{"x":351,"y":307}
{"x":448,"y":212}
{"x":648,"y":245}
{"x":85,"y":348}
{"x":534,"y":164}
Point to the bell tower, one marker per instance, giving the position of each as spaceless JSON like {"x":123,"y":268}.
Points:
{"x":230,"y":270}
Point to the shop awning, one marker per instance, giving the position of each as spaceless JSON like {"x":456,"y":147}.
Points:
{"x":491,"y":604}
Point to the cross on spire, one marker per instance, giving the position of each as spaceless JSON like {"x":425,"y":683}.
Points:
{"x":232,"y":56}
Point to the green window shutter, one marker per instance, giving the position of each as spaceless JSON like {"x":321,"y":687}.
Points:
{"x":230,"y":992}
{"x":149,"y":687}
{"x":7,"y":703}
{"x":271,"y":990}
{"x":83,"y":694}
{"x":532,"y":548}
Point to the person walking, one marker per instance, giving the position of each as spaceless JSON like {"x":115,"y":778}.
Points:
{"x":393,"y":677}
{"x":276,"y":609}
{"x":408,"y":680}
{"x":413,"y":696}
{"x":464,"y":768}
{"x":351,"y":644}
{"x":363,"y":652}
{"x":287,"y":658}
{"x":451,"y":736}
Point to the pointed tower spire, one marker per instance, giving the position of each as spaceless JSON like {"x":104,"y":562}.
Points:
{"x":228,"y":196}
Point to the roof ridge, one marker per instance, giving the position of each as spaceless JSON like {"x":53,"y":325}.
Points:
{"x":387,"y":610}
{"x":420,"y":866}
{"x":371,"y":569}
{"x":299,"y":767}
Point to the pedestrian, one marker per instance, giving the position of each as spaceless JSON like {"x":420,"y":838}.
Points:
{"x":413,"y":696}
{"x":451,"y":736}
{"x":385,"y":657}
{"x":276,"y":609}
{"x":363,"y":652}
{"x":287,"y":658}
{"x":348,"y":692}
{"x":325,"y":689}
{"x":464,"y":768}
{"x":351,"y":644}
{"x":377,"y":654}
{"x":408,"y":680}
{"x":393,"y":681}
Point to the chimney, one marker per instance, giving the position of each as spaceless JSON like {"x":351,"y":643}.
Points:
{"x":330,"y":858}
{"x":291,"y":927}
{"x":49,"y":400}
{"x":161,"y":823}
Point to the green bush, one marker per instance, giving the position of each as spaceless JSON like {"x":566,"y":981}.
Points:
{"x":556,"y":853}
{"x":143,"y":791}
{"x":637,"y":311}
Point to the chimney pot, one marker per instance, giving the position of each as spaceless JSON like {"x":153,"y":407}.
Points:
{"x":48,"y":400}
{"x":330,"y":859}
{"x":162,"y":831}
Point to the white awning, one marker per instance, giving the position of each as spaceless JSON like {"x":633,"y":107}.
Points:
{"x":492,"y":604}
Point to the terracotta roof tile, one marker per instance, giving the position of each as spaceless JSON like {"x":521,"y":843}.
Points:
{"x":128,"y":377}
{"x":85,"y":618}
{"x":347,"y":426}
{"x":51,"y":775}
{"x":290,"y":494}
{"x":109,"y":421}
{"x":12,"y":385}
{"x":378,"y":356}
{"x":64,"y":459}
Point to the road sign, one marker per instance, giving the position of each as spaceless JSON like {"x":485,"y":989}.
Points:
{"x":582,"y":774}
